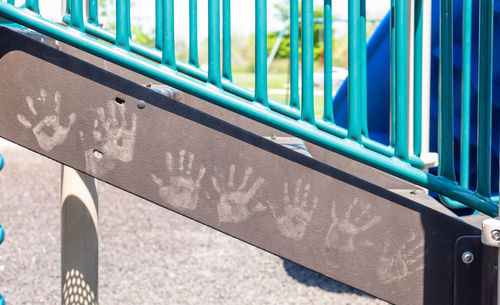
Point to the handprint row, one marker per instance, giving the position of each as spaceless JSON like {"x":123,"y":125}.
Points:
{"x":112,"y":141}
{"x":181,"y":190}
{"x":110,"y":135}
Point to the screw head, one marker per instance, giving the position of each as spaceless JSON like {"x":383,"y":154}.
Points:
{"x":467,"y":257}
{"x":141,"y":104}
{"x":495,"y":235}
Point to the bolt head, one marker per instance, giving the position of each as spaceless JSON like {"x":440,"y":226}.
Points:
{"x":141,"y":104}
{"x":467,"y":257}
{"x":495,"y":235}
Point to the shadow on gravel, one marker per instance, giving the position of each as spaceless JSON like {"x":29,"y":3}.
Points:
{"x":308,"y":277}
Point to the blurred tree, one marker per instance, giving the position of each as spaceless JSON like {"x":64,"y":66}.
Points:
{"x":107,"y":10}
{"x":283,"y":14}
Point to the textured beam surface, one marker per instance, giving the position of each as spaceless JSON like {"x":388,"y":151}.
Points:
{"x":226,"y":177}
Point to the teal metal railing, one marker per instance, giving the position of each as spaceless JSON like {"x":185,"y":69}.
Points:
{"x":298,"y":117}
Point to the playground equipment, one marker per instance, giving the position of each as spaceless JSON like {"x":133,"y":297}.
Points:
{"x":336,"y":215}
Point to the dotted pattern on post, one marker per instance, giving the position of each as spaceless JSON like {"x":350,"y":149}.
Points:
{"x":76,"y":291}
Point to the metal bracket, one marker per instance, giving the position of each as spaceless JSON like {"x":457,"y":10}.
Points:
{"x":490,"y":235}
{"x":475,"y":272}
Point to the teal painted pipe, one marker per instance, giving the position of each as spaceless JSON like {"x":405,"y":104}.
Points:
{"x":307,"y":114}
{"x":401,"y":141}
{"x":159,"y":24}
{"x":76,"y":17}
{"x":372,"y":145}
{"x":214,"y":43}
{"x":93,"y":12}
{"x":193,"y":33}
{"x":294,"y":54}
{"x":466,"y":84}
{"x":252,"y":110}
{"x":68,"y":6}
{"x":2,"y":162}
{"x":362,"y":68}
{"x":168,"y":44}
{"x":354,"y":80}
{"x":393,"y":74}
{"x":328,"y":98}
{"x":237,"y":90}
{"x":189,"y":70}
{"x":13,"y":2}
{"x":261,"y":52}
{"x":226,"y":39}
{"x":32,"y":5}
{"x":465,"y":118}
{"x":445,"y":98}
{"x":417,"y":80}
{"x":122,"y":24}
{"x":485,"y":85}
{"x":2,"y":234}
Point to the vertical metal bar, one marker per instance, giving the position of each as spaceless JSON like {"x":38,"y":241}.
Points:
{"x":93,"y":12}
{"x":445,"y":99}
{"x":261,"y":96}
{"x":158,"y":25}
{"x":214,"y":43}
{"x":466,"y":82}
{"x":426,"y":79}
{"x":76,"y":16}
{"x":32,"y":5}
{"x":307,"y":113}
{"x":362,"y":67}
{"x":294,"y":54}
{"x":328,"y":102}
{"x":401,"y":141}
{"x":168,"y":43}
{"x":485,"y":85}
{"x":122,"y":24}
{"x":226,"y":39}
{"x":417,"y":80}
{"x":79,"y":241}
{"x":393,"y":74}
{"x":354,"y":80}
{"x":193,"y":33}
{"x":68,"y":6}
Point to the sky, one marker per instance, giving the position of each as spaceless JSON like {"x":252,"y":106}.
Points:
{"x":242,"y":14}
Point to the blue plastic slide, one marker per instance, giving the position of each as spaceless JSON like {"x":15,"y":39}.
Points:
{"x":378,"y":66}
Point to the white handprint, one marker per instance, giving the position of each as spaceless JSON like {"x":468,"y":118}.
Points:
{"x":48,"y":132}
{"x":344,"y":234}
{"x":180,"y":190}
{"x":112,"y":140}
{"x":233,"y":203}
{"x":297,"y":213}
{"x":406,"y":260}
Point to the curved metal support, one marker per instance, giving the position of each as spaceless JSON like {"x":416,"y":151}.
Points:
{"x":2,"y":234}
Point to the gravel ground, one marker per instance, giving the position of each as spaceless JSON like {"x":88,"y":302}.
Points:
{"x":148,"y":255}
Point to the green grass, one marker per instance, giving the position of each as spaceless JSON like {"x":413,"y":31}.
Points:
{"x":276,"y":81}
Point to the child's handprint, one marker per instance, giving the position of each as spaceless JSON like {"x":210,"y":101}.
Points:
{"x":181,"y":189}
{"x":233,"y":203}
{"x":48,"y":132}
{"x":112,"y":139}
{"x":297,"y":212}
